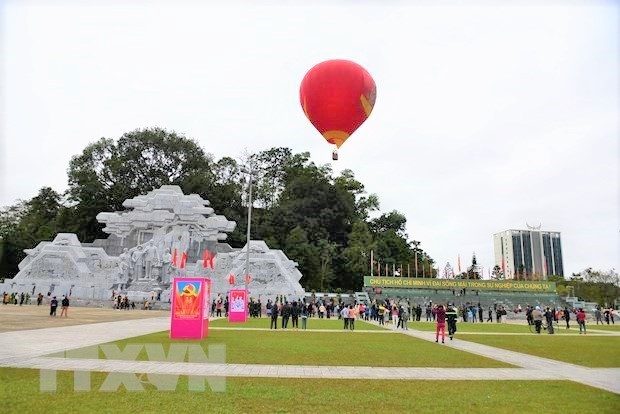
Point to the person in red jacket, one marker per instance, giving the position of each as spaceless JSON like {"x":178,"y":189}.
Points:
{"x":440,"y":317}
{"x":581,"y":320}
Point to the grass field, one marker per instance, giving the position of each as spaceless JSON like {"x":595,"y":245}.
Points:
{"x":595,"y":352}
{"x":326,"y":348}
{"x":485,"y":327}
{"x":19,"y":388}
{"x":313,"y":323}
{"x":615,"y":328}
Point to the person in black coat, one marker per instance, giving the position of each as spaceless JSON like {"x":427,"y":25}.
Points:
{"x":274,"y":316}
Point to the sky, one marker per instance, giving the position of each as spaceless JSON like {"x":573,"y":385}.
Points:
{"x":488,"y":114}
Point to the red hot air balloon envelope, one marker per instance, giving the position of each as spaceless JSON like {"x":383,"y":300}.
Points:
{"x":337,"y":96}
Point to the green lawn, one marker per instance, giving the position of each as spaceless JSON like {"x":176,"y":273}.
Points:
{"x":604,"y":327}
{"x":593,"y":351}
{"x":486,"y":327}
{"x":326,"y":348}
{"x":20,"y":389}
{"x":313,"y":323}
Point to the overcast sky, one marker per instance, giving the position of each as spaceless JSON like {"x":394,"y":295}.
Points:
{"x":487,"y":116}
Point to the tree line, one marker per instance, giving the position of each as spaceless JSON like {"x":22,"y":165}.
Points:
{"x":322,"y":220}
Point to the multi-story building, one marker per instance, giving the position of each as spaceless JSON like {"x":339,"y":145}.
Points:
{"x":538,"y":252}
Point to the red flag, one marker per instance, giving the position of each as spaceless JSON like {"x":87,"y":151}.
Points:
{"x":231,"y":279}
{"x":183,"y":260}
{"x":459,"y":263}
{"x":207,"y":259}
{"x":247,"y":279}
{"x":174,"y":258}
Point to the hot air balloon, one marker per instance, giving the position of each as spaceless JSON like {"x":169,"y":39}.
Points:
{"x":337,"y":96}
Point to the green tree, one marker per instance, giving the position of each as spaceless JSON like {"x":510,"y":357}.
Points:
{"x":25,"y":224}
{"x":327,"y":250}
{"x":107,"y":173}
{"x":298,"y":248}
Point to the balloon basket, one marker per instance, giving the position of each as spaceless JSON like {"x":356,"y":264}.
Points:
{"x":335,"y":155}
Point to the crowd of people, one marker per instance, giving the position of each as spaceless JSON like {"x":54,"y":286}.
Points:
{"x":550,"y":316}
{"x":386,"y":311}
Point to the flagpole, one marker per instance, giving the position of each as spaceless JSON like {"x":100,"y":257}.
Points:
{"x":372,"y":263}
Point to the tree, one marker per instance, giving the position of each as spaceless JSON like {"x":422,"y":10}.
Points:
{"x":327,"y":250}
{"x":298,"y":248}
{"x":356,"y":254}
{"x":25,"y":224}
{"x":473,"y":271}
{"x":319,"y":219}
{"x":497,"y":272}
{"x":107,"y":173}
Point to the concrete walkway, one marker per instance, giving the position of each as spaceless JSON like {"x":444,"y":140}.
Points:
{"x":24,"y":349}
{"x":36,"y":342}
{"x":604,"y":378}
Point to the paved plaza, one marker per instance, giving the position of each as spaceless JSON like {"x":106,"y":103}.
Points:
{"x":27,"y":348}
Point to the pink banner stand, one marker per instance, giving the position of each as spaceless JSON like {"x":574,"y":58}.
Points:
{"x":189,"y":316}
{"x":238,"y":305}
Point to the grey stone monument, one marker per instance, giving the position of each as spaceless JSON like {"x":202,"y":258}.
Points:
{"x":143,"y":253}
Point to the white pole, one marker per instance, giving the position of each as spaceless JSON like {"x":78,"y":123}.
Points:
{"x":247,"y":253}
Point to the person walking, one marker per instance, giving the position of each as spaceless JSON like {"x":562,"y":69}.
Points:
{"x":381,"y":314}
{"x":490,"y":318}
{"x":53,"y":306}
{"x":64,"y":310}
{"x":480,"y":312}
{"x":274,"y":316}
{"x":344,"y":313}
{"x":452,"y":317}
{"x":440,"y":317}
{"x":404,"y":318}
{"x":295,"y":316}
{"x":549,"y":316}
{"x":581,"y":321}
{"x":537,"y":317}
{"x":597,"y":315}
{"x":352,"y":316}
{"x":304,"y":317}
{"x":395,"y":316}
{"x":286,"y":314}
{"x":567,"y":317}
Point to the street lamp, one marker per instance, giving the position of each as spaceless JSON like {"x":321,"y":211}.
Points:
{"x":250,"y":173}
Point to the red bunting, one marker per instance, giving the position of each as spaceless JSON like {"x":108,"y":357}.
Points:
{"x":247,"y":279}
{"x":207,"y":259}
{"x":174,"y":258}
{"x":183,"y":260}
{"x":231,"y":279}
